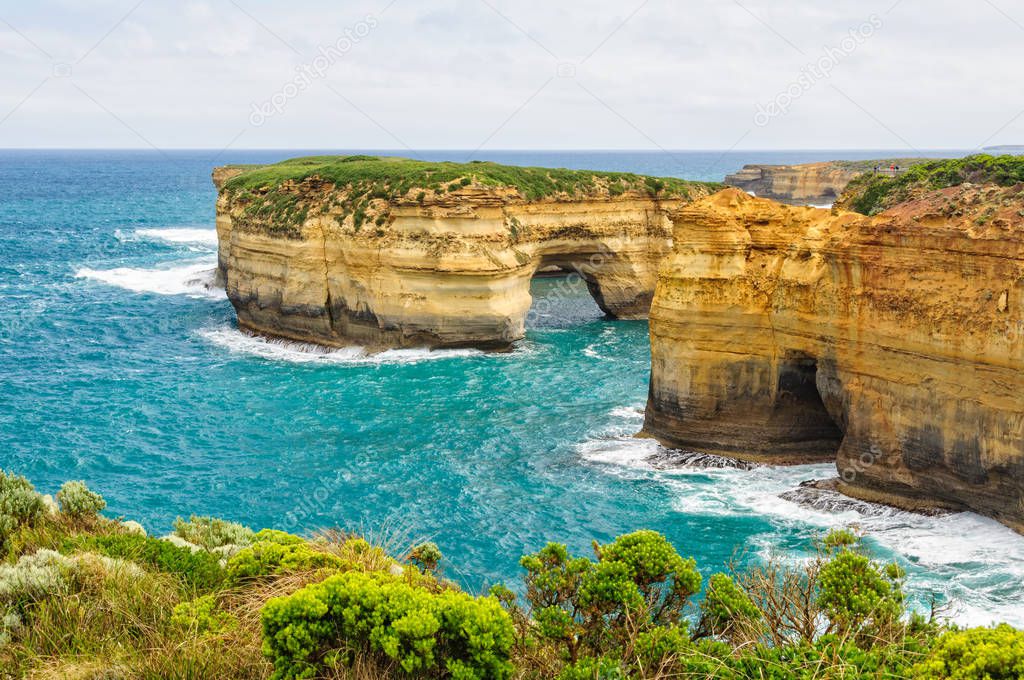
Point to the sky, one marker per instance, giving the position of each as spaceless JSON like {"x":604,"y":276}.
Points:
{"x":512,"y":74}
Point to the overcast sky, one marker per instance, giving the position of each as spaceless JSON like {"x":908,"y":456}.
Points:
{"x":512,"y":74}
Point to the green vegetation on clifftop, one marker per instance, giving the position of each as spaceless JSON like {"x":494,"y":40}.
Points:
{"x":873,"y":193}
{"x":280,"y":196}
{"x":393,"y":177}
{"x":83,"y":596}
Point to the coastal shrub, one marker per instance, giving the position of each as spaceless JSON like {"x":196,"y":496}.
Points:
{"x":828,"y":657}
{"x":669,"y":651}
{"x":860,"y":596}
{"x":210,"y":532}
{"x":203,"y":616}
{"x":427,"y":556}
{"x":726,"y":608}
{"x":426,"y":634}
{"x":31,"y":579}
{"x":265,"y":558}
{"x":976,"y":654}
{"x":200,"y":571}
{"x":35,"y":576}
{"x":19,"y":504}
{"x":638,"y":581}
{"x":78,"y":502}
{"x":872,"y":193}
{"x":275,"y":536}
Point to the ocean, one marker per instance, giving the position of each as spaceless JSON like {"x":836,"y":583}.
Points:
{"x":120,"y":366}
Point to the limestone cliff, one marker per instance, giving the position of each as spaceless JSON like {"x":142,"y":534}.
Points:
{"x":893,"y":343}
{"x":808,"y":183}
{"x":389,"y":253}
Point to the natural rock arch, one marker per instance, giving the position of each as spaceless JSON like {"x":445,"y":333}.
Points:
{"x":452,"y":271}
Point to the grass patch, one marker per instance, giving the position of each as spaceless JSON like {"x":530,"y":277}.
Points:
{"x":393,"y":177}
{"x":871,"y":194}
{"x":278,"y":198}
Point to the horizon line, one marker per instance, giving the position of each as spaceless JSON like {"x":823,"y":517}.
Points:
{"x":511,"y":150}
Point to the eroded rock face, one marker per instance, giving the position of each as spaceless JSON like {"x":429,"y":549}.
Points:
{"x":894,"y":344}
{"x":805,"y":184}
{"x":442,"y":271}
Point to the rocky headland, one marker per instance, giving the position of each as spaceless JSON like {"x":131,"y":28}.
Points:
{"x":892,"y":344}
{"x":387,"y":252}
{"x":809,"y":183}
{"x":873,"y":193}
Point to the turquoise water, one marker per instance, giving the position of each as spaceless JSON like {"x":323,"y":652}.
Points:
{"x":119,"y":366}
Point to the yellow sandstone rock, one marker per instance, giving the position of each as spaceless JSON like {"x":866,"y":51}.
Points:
{"x":443,"y":270}
{"x":893,"y":344}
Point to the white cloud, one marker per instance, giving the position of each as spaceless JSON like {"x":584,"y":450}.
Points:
{"x":453,"y":73}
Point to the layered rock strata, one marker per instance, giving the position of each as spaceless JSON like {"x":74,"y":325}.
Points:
{"x":894,"y":344}
{"x":442,"y":268}
{"x":808,"y":184}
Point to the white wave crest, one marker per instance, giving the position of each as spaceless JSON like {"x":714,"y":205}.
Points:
{"x":240,"y":342}
{"x":195,"y":280}
{"x":187,"y":235}
{"x":973,"y":562}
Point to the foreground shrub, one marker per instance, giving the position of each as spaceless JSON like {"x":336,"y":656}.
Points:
{"x":266,"y":558}
{"x":201,"y":571}
{"x":426,"y":634}
{"x":594,"y":668}
{"x":78,"y":502}
{"x":211,"y":533}
{"x":976,"y":654}
{"x":727,"y":611}
{"x":858,"y":595}
{"x":638,"y":581}
{"x":202,"y":616}
{"x":427,"y":556}
{"x":19,"y":504}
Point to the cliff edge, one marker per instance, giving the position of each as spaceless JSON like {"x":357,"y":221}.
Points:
{"x":815,"y":184}
{"x":893,"y":344}
{"x":389,"y":252}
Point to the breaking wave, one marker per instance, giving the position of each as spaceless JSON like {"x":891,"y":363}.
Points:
{"x":240,"y":342}
{"x":195,"y":279}
{"x":974,"y":563}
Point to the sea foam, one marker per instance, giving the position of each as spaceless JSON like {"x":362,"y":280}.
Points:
{"x":974,"y":563}
{"x":195,"y":279}
{"x":186,"y":235}
{"x":239,"y":342}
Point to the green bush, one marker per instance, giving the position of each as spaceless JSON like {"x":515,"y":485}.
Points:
{"x":976,"y":654}
{"x":726,"y":606}
{"x":199,"y":570}
{"x":210,"y":532}
{"x":427,"y":634}
{"x":638,"y":581}
{"x":78,"y":502}
{"x":202,"y":616}
{"x":275,"y":536}
{"x":872,"y":193}
{"x":594,"y":668}
{"x":19,"y":504}
{"x":858,"y":595}
{"x":427,"y":556}
{"x":33,"y":578}
{"x":265,"y":558}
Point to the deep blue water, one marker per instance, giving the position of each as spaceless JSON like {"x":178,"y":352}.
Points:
{"x":119,"y":367}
